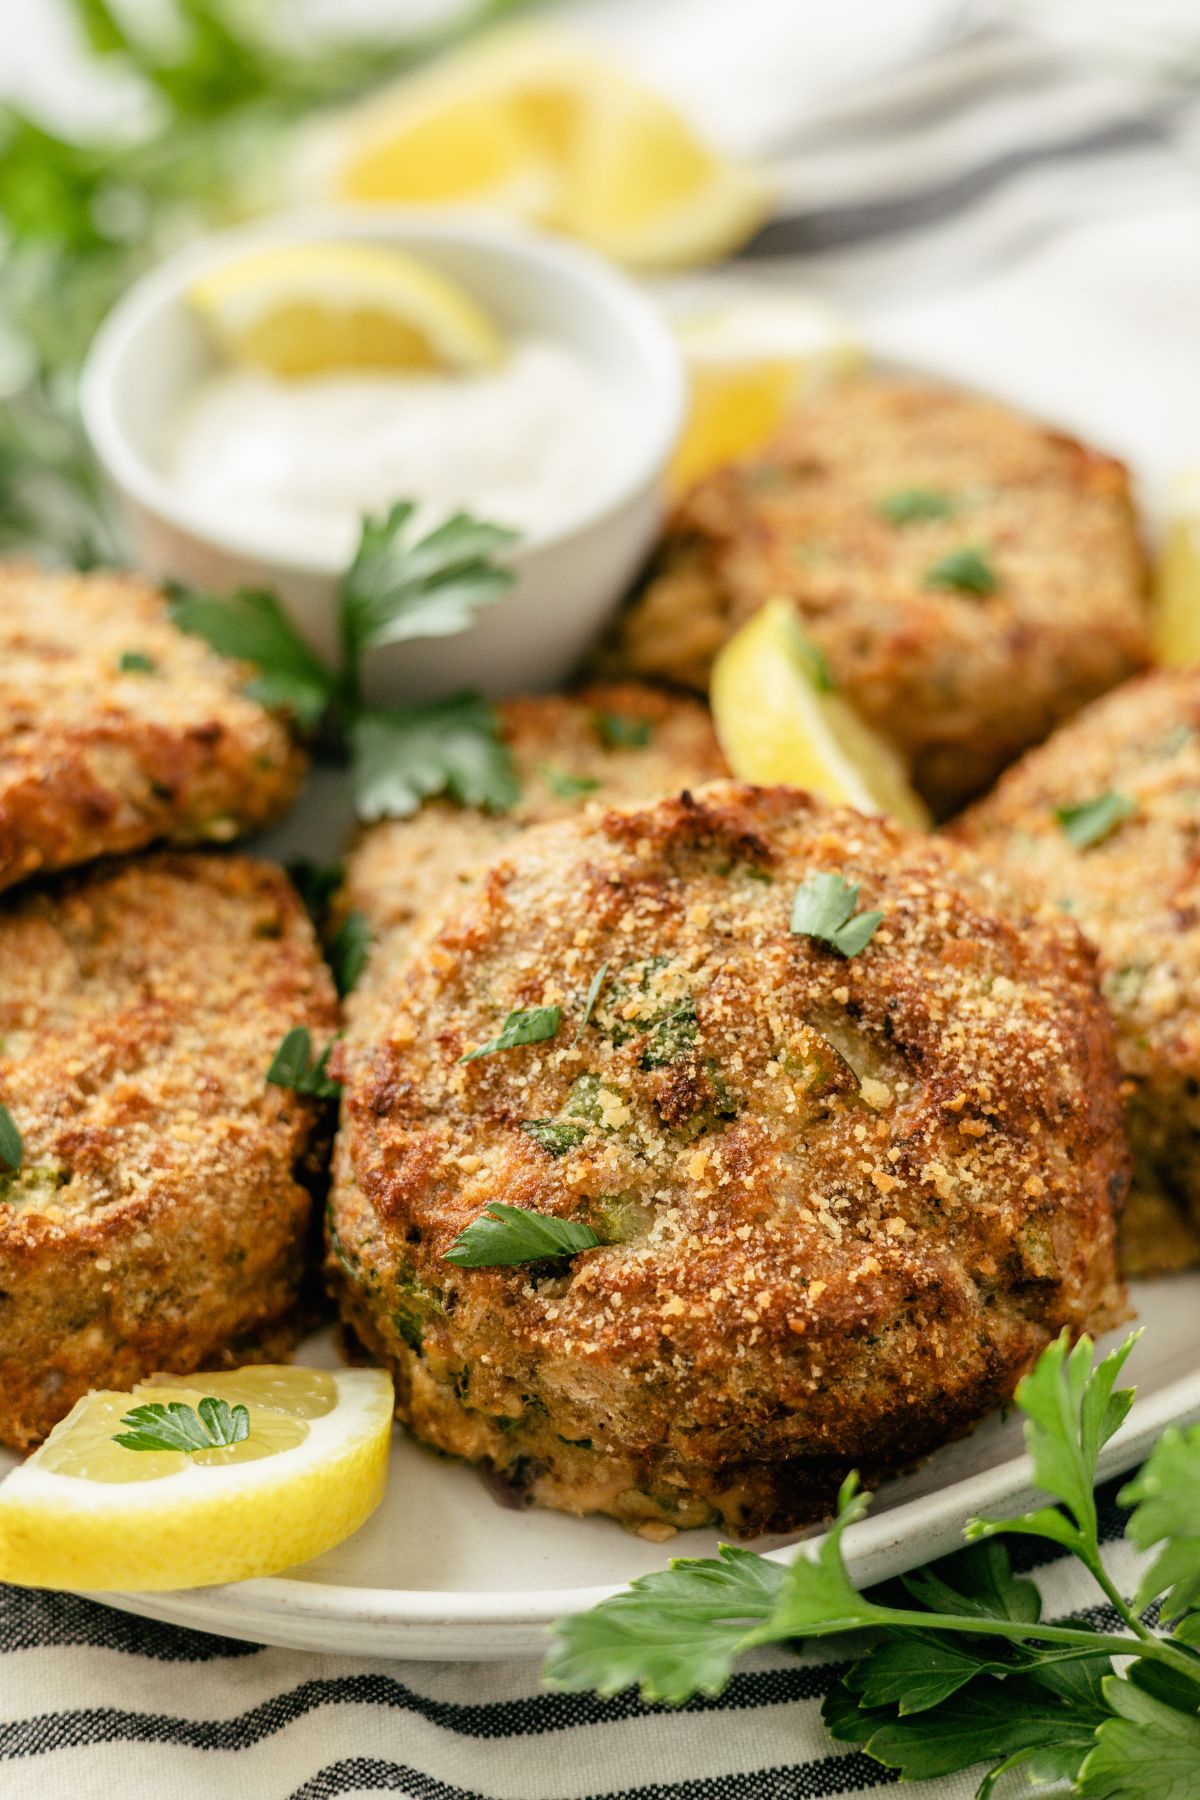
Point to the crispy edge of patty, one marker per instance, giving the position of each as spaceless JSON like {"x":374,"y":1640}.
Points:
{"x":482,"y":1370}
{"x":960,"y":683}
{"x":1136,"y":895}
{"x":98,"y":761}
{"x":178,"y":1239}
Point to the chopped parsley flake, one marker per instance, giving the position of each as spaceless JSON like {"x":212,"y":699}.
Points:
{"x":530,"y":1026}
{"x":503,"y":1236}
{"x":617,"y":732}
{"x":292,"y":1066}
{"x":824,"y":909}
{"x":566,"y":785}
{"x":136,"y":662}
{"x":912,"y":506}
{"x":967,"y":570}
{"x":1092,"y":820}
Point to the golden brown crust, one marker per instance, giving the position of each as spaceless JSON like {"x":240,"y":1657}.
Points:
{"x":159,"y":1217}
{"x":961,"y":683}
{"x":95,"y":761}
{"x":848,"y":1200}
{"x":1136,"y":895}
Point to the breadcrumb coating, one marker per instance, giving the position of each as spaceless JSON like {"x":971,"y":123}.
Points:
{"x":843,"y":1203}
{"x":159,"y":1217}
{"x":117,"y":730}
{"x":961,"y":681}
{"x":1135,"y":892}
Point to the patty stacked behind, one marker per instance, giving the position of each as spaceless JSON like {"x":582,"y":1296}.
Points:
{"x":843,"y":1201}
{"x":613,"y":741}
{"x":159,"y":1216}
{"x":117,"y":730}
{"x":971,"y":577}
{"x":1103,"y":822}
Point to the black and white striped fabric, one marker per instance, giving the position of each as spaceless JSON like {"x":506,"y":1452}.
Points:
{"x":1004,"y":207}
{"x":96,"y":1705}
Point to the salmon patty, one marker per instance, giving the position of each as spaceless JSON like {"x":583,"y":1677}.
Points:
{"x":842,"y":1201}
{"x":117,"y":730}
{"x":159,"y":1216}
{"x":613,"y":741}
{"x":1103,"y":822}
{"x":971,"y":577}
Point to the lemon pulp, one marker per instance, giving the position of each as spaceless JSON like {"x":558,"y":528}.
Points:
{"x":1177,"y":582}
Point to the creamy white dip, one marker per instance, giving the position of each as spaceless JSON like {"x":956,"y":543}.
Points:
{"x":291,"y":466}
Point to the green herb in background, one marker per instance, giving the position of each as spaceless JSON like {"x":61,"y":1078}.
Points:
{"x":1093,"y":820}
{"x":503,"y":1236}
{"x":348,"y":950}
{"x":959,"y":1667}
{"x":80,"y":220}
{"x":292,"y":1066}
{"x":212,"y":1425}
{"x":12,"y":1150}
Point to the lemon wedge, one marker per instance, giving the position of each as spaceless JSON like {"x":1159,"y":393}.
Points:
{"x":86,"y":1512}
{"x":751,"y":358}
{"x":533,"y":124}
{"x":779,"y":721}
{"x":299,"y":309}
{"x":1177,"y":580}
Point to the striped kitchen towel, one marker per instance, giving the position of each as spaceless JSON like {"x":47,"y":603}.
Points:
{"x":1007,"y":206}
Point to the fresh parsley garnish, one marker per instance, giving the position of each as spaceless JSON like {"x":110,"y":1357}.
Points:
{"x":959,"y":1667}
{"x":566,"y":785}
{"x":591,"y":997}
{"x":136,"y":662}
{"x":531,"y":1025}
{"x":504,"y":1235}
{"x":212,"y":1425}
{"x":347,"y":952}
{"x":395,"y":591}
{"x":405,"y":755}
{"x":317,"y":883}
{"x":967,"y":570}
{"x":617,"y":731}
{"x":913,"y":506}
{"x":1092,"y":820}
{"x":252,"y":627}
{"x":824,"y":909}
{"x":292,"y":1066}
{"x":12,"y":1149}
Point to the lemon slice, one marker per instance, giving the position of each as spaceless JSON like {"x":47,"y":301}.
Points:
{"x":751,"y":358}
{"x":642,"y":187}
{"x":779,"y":722}
{"x":1177,"y":582}
{"x":528,"y":122}
{"x":299,"y":309}
{"x":85,"y":1512}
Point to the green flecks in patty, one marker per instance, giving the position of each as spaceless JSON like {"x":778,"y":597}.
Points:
{"x":646,"y":1001}
{"x":590,"y":1104}
{"x":967,"y":571}
{"x":350,"y":1268}
{"x":565,"y":785}
{"x":21,"y":1187}
{"x":136,"y":662}
{"x":618,"y":731}
{"x":620,"y":1218}
{"x":555,"y":1136}
{"x":1091,"y":821}
{"x":915,"y":506}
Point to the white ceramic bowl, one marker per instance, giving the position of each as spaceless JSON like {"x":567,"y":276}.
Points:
{"x":152,"y":350}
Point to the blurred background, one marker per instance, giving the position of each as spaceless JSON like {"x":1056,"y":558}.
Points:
{"x":1007,"y":192}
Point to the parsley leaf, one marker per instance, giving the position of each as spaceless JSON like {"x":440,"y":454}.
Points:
{"x":1165,"y":1496}
{"x":1149,"y":1749}
{"x":253,"y":627}
{"x":410,"y":754}
{"x":210,"y":1426}
{"x":393,"y":592}
{"x":12,"y":1149}
{"x":616,"y":731}
{"x":824,"y":909}
{"x":967,"y":570}
{"x":531,"y":1026}
{"x":590,"y":999}
{"x":136,"y":662}
{"x":566,"y":785}
{"x":503,"y":1236}
{"x":316,"y":883}
{"x":347,"y":951}
{"x":292,"y":1066}
{"x":912,"y":506}
{"x":1092,"y":821}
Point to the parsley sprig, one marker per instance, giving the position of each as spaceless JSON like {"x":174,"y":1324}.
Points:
{"x":212,"y":1425}
{"x":505,"y":1235}
{"x":393,"y":591}
{"x":294,"y":1067}
{"x":960,"y":1668}
{"x":824,"y":909}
